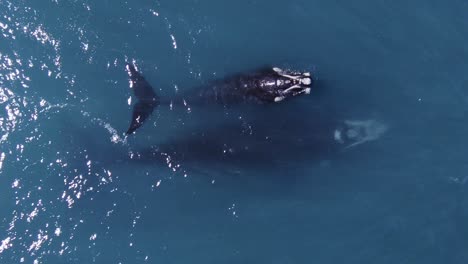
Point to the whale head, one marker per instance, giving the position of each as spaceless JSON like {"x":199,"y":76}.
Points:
{"x":282,"y":85}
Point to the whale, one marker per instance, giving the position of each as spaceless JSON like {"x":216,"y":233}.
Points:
{"x":286,"y":142}
{"x":266,"y":85}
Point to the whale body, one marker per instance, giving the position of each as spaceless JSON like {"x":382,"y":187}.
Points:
{"x":267,"y":85}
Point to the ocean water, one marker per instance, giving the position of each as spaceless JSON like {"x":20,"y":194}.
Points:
{"x":249,"y":184}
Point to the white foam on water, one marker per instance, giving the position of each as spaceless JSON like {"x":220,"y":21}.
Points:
{"x":114,"y":135}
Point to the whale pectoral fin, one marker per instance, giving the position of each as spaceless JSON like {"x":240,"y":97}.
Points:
{"x":141,"y":111}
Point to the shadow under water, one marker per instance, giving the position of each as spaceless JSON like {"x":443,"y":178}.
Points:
{"x":268,"y":138}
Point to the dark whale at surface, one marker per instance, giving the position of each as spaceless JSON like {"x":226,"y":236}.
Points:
{"x":266,"y":85}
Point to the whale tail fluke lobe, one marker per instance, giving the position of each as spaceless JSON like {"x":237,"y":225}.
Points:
{"x":147,"y":99}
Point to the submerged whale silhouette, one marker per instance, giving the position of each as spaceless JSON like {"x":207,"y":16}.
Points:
{"x":268,"y":85}
{"x":287,"y":141}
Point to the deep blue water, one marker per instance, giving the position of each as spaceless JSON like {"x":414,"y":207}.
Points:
{"x":235,"y":185}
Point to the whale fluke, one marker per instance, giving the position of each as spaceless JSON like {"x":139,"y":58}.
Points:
{"x":147,"y":99}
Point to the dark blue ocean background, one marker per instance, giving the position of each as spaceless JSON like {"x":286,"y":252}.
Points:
{"x":204,"y":184}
